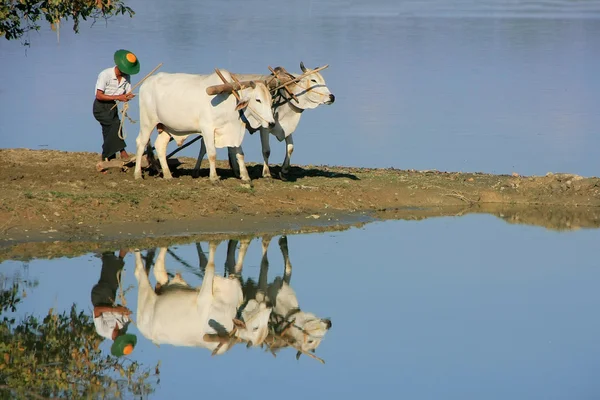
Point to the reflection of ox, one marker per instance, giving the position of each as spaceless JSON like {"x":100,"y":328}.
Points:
{"x":207,"y":316}
{"x":178,"y":105}
{"x":311,"y":91}
{"x":290,"y":326}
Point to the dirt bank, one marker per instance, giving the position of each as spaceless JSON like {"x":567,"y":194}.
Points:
{"x":49,"y":196}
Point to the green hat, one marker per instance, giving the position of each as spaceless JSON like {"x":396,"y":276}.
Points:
{"x":127,"y":62}
{"x":123,"y":344}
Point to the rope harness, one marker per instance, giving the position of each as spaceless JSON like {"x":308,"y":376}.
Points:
{"x":256,"y":114}
{"x":285,"y":322}
{"x":281,"y":97}
{"x":122,"y":134}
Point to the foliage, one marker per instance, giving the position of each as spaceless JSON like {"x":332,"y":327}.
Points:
{"x":59,"y":356}
{"x":18,"y":17}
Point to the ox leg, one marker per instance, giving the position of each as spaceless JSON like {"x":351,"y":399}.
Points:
{"x":201,"y":154}
{"x":244,"y":243}
{"x":206,"y":289}
{"x":264,"y":271}
{"x":146,"y":295}
{"x":211,"y":151}
{"x":230,"y":260}
{"x":283,"y":245}
{"x":160,"y":272}
{"x":160,"y":145}
{"x":233,"y":162}
{"x":202,"y":260}
{"x":141,"y":142}
{"x":289,"y":149}
{"x":212,"y":161}
{"x":266,"y":151}
{"x":239,"y":156}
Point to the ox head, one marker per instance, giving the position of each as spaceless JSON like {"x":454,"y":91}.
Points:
{"x":307,"y":331}
{"x":256,"y":320}
{"x":255,"y":103}
{"x":312,"y":91}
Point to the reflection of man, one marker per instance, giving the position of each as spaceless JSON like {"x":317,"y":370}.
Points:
{"x":112,"y":320}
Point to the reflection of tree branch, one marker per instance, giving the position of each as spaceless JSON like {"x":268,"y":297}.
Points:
{"x":58,"y":355}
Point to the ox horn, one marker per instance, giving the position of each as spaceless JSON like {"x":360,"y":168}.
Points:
{"x":302,"y":67}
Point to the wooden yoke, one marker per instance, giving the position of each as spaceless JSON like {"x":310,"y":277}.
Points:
{"x":232,"y":90}
{"x":286,"y":77}
{"x":227,"y":87}
{"x":278,"y":79}
{"x":298,"y":78}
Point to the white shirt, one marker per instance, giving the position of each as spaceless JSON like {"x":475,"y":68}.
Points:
{"x":108,"y":83}
{"x":106,"y":322}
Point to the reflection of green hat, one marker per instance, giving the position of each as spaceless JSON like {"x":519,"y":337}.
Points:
{"x":127,"y":62}
{"x":123,"y":344}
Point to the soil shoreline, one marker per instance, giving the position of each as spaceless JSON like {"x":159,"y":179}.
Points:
{"x":49,"y":196}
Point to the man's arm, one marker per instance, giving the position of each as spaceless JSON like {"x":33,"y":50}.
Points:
{"x":106,"y":97}
{"x":98,"y":310}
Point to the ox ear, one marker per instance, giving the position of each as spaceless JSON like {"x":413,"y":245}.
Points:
{"x":252,"y":85}
{"x":302,"y":67}
{"x":242,"y":104}
{"x":298,"y":354}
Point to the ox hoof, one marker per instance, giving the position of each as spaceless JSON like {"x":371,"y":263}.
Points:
{"x":283,"y":244}
{"x":284,"y":176}
{"x":196,"y":174}
{"x":137,"y":176}
{"x":215,"y":182}
{"x":247,"y":184}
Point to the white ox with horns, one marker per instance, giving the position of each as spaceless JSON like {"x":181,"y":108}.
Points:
{"x":290,"y":325}
{"x":207,"y":317}
{"x":310,"y":91}
{"x":178,"y":106}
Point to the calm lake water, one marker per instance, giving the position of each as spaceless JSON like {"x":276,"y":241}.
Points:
{"x":492,"y":86}
{"x":446,"y":308}
{"x":452,"y":308}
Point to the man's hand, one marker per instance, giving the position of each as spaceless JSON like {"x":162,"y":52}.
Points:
{"x":123,"y":310}
{"x":126,"y":97}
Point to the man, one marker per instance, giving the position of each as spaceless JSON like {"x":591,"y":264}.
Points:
{"x":114,"y":84}
{"x":111,"y":320}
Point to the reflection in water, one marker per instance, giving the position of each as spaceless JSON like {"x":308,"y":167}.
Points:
{"x":58,"y":355}
{"x":225,"y":310}
{"x":206,"y":316}
{"x":547,"y":216}
{"x":290,"y":325}
{"x":110,"y":319}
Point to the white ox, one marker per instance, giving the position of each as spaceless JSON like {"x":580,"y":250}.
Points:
{"x":311,"y":91}
{"x":292,"y":327}
{"x":178,"y":106}
{"x":200,"y":317}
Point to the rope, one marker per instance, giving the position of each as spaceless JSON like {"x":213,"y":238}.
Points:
{"x":122,"y":133}
{"x":236,"y":94}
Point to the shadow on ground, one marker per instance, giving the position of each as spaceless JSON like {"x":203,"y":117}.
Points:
{"x":255,"y":172}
